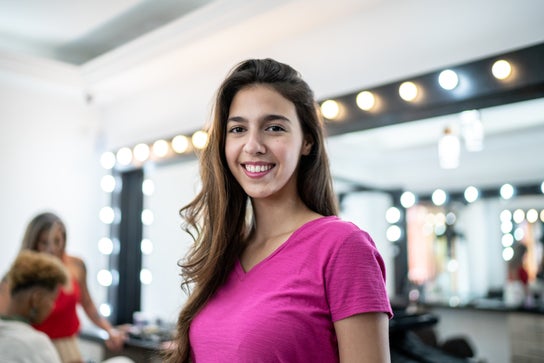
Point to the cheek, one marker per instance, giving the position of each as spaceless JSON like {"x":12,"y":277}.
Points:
{"x":231,"y":155}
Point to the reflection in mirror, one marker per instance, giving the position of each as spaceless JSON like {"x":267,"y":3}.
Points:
{"x":464,"y":260}
{"x":459,"y":253}
{"x":164,"y":242}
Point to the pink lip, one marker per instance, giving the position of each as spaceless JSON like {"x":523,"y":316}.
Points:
{"x":257,"y":174}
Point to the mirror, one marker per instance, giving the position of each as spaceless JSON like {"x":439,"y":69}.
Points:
{"x":405,"y":157}
{"x":171,"y":187}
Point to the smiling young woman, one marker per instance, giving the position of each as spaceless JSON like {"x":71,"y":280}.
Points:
{"x":275,"y":274}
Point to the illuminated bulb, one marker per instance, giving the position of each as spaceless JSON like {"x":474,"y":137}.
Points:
{"x":107,"y":160}
{"x":365,"y":100}
{"x":105,"y":310}
{"x":501,"y":69}
{"x":451,"y":218}
{"x":141,"y":152}
{"x":407,"y":199}
{"x":148,"y":187}
{"x":507,"y":240}
{"x":440,"y":229}
{"x":393,"y":233}
{"x":453,"y":265}
{"x":147,"y":217}
{"x":180,"y":144}
{"x":542,"y":215}
{"x":330,"y":109}
{"x":408,"y":91}
{"x":104,"y":278}
{"x":440,"y":218}
{"x":200,"y":139}
{"x":507,"y":253}
{"x":107,"y":183}
{"x":392,"y":215}
{"x":439,"y":197}
{"x":105,"y":246}
{"x":505,"y":216}
{"x":160,"y":148}
{"x":506,"y":191}
{"x":519,"y":216}
{"x":507,"y":227}
{"x":146,"y":277}
{"x":519,"y":233}
{"x":448,"y":79}
{"x":532,"y":216}
{"x":124,"y":156}
{"x":146,"y":246}
{"x":471,"y":194}
{"x":107,"y":215}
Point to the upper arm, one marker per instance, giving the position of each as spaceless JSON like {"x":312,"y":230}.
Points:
{"x":77,"y":266}
{"x":363,"y":338}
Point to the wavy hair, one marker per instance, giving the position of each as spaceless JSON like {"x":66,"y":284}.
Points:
{"x":219,"y":218}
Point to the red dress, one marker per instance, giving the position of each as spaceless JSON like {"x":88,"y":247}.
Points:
{"x":63,"y":321}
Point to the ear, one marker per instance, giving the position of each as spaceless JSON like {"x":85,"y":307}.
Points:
{"x":307,"y":144}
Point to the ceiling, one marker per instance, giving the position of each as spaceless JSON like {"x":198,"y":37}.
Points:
{"x":76,"y":32}
{"x":82,"y":33}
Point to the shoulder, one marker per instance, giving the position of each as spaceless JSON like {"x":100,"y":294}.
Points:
{"x":74,"y":262}
{"x":338,"y":229}
{"x":332,"y":234}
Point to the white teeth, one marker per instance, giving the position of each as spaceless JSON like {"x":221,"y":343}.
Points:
{"x":257,"y":168}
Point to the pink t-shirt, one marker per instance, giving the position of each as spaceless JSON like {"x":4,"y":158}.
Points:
{"x":283,"y":309}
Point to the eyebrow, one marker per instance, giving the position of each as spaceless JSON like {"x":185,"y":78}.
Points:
{"x":269,"y":117}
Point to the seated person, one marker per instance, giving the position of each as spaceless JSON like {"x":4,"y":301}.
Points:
{"x":34,"y":280}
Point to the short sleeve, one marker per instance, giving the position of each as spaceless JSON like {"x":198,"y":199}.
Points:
{"x":355,"y":277}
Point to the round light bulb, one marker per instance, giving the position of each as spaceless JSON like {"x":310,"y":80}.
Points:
{"x":407,"y":199}
{"x":124,"y":156}
{"x":107,"y":160}
{"x":471,"y":194}
{"x":141,"y":152}
{"x":408,"y":91}
{"x":507,"y":191}
{"x":200,"y":139}
{"x":365,"y":100}
{"x":180,"y":144}
{"x":448,"y":79}
{"x":501,"y":69}
{"x":160,"y":148}
{"x":330,"y":109}
{"x":439,"y":197}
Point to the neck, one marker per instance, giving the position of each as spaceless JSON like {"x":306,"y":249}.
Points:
{"x":274,"y":218}
{"x":15,"y":317}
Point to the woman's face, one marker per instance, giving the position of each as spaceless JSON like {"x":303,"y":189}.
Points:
{"x":52,"y":241}
{"x":264,"y":142}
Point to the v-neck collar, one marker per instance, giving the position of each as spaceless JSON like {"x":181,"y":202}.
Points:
{"x":239,"y":268}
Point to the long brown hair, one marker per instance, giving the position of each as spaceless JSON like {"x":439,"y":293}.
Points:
{"x":217,"y":217}
{"x":40,"y":223}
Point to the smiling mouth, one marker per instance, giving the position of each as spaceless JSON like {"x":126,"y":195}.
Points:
{"x":257,"y":168}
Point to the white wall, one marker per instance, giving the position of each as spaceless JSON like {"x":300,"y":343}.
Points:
{"x":48,"y":162}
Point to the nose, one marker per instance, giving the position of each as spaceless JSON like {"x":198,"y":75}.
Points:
{"x":254,"y":143}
